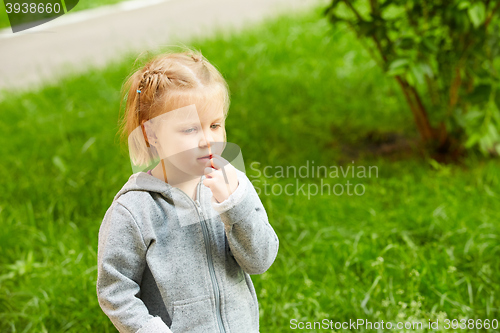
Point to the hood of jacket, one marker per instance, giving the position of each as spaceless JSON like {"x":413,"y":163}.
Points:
{"x":142,"y":181}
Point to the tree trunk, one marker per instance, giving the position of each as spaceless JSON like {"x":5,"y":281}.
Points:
{"x":440,"y":144}
{"x":427,"y":133}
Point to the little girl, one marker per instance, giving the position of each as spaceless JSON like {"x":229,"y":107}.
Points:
{"x":179,"y":242}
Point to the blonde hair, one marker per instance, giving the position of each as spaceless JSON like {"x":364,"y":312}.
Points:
{"x":167,"y":82}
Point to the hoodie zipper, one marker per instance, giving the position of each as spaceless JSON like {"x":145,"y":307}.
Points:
{"x":208,"y":249}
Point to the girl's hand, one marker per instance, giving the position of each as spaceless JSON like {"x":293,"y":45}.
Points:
{"x":222,"y":180}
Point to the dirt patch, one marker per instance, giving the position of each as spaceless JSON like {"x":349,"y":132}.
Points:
{"x":375,"y":143}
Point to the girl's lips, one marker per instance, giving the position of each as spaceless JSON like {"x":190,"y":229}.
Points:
{"x":205,"y":157}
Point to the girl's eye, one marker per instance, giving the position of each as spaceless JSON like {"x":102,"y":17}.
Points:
{"x":189,"y":130}
{"x":216,"y":126}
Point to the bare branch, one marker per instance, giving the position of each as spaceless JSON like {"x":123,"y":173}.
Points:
{"x":488,"y":20}
{"x":349,"y":4}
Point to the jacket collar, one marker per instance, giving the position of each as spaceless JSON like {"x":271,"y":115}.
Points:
{"x":141,"y":181}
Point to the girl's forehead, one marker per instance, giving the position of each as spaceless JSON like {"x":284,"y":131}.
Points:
{"x":191,"y":114}
{"x":202,"y":115}
{"x":210,"y":114}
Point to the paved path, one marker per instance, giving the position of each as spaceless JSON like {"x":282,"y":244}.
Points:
{"x":75,"y":41}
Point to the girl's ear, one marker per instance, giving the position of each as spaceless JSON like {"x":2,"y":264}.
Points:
{"x":148,"y":132}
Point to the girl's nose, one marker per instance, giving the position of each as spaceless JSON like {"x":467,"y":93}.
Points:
{"x":206,"y":138}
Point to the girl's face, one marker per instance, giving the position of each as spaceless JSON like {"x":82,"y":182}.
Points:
{"x":183,"y":137}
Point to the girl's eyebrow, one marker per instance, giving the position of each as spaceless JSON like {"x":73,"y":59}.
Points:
{"x":183,"y":123}
{"x":187,"y":124}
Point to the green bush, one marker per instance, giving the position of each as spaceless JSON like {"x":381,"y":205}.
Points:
{"x":445,"y":56}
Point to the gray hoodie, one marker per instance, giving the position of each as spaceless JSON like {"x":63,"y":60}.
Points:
{"x":183,"y":267}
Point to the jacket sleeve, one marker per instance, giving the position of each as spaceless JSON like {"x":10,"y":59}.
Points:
{"x":121,"y":260}
{"x":251,"y":238}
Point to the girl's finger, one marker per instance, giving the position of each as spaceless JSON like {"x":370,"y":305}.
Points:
{"x":213,"y":162}
{"x":208,"y":172}
{"x":217,"y":162}
{"x":211,"y":173}
{"x":207,"y":182}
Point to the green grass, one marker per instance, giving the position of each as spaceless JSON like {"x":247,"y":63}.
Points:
{"x":82,"y":5}
{"x":421,"y":243}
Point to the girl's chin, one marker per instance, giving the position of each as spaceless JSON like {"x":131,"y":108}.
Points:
{"x":195,"y":169}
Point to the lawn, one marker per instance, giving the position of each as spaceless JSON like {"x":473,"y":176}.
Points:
{"x":421,"y":243}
